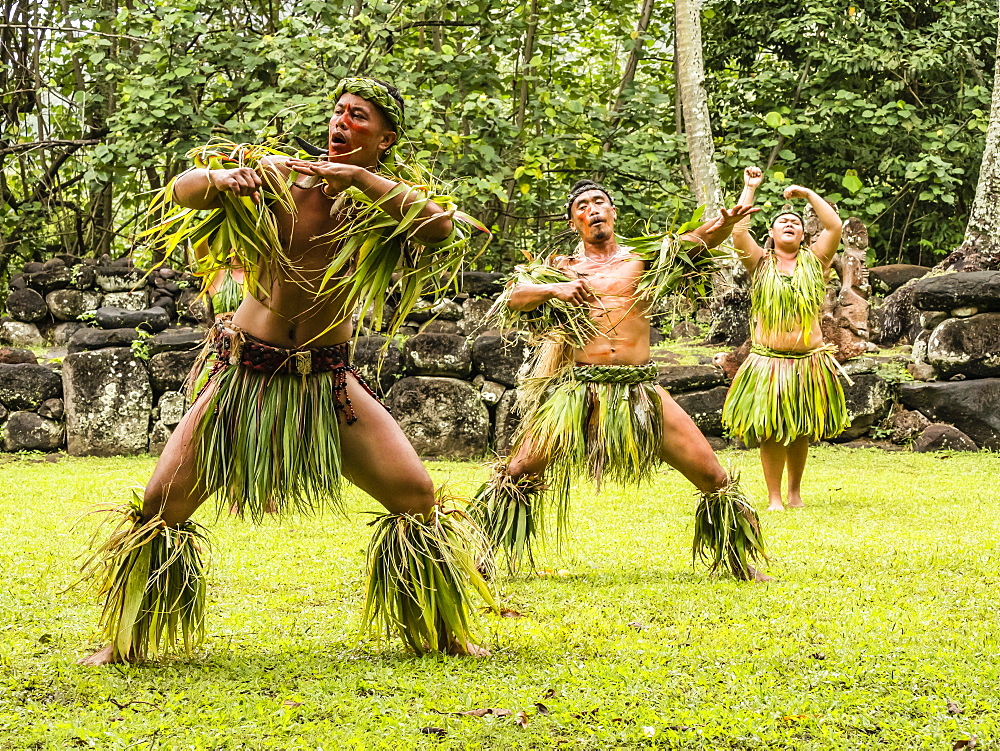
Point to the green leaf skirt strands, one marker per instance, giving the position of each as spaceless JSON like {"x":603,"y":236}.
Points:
{"x":269,"y":434}
{"x":727,"y":531}
{"x":152,"y":579}
{"x":604,"y":421}
{"x":782,"y":396}
{"x":422,"y":573}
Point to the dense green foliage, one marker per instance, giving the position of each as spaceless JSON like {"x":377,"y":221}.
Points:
{"x":513,"y":101}
{"x":883,"y":611}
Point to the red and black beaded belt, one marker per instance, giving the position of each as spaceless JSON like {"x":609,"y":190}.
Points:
{"x":241,"y":349}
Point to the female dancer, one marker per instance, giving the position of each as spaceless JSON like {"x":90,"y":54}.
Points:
{"x":786,"y":393}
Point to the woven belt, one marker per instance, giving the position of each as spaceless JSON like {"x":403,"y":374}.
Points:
{"x":827,"y":349}
{"x":627,"y":374}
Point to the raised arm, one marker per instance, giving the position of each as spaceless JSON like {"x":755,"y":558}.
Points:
{"x":715,"y":232}
{"x":437,"y":224}
{"x":200,"y":188}
{"x":826,"y":243}
{"x":747,"y":249}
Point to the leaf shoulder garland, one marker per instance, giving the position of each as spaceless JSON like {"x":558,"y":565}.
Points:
{"x":782,"y":302}
{"x":380,"y":252}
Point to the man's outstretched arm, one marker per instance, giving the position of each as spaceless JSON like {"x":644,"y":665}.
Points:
{"x":200,"y":188}
{"x":715,"y":232}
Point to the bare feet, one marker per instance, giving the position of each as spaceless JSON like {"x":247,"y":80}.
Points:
{"x":795,"y":501}
{"x":468,"y":649}
{"x":755,"y":574}
{"x":105,"y":656}
{"x":775,"y":505}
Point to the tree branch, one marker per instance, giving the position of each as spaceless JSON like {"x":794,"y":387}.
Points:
{"x":35,"y":145}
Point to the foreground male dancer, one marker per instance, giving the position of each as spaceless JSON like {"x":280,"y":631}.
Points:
{"x":284,"y":414}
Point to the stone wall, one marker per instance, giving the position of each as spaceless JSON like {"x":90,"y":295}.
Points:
{"x":956,"y":360}
{"x":448,"y":380}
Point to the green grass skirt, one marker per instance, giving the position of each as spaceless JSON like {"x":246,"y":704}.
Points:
{"x":270,"y":442}
{"x":609,"y":429}
{"x":600,"y":430}
{"x":778,"y":397}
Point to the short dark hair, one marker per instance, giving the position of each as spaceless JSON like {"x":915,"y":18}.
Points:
{"x":579,"y":188}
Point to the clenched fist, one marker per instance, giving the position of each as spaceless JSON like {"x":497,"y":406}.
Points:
{"x":241,"y":181}
{"x":753,"y":177}
{"x":577,"y":292}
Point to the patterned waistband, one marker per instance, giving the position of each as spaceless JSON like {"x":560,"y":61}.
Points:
{"x":827,"y":349}
{"x":236,"y":347}
{"x":760,"y":349}
{"x":627,"y":374}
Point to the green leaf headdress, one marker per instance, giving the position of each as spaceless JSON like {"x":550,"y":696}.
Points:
{"x":376,"y":92}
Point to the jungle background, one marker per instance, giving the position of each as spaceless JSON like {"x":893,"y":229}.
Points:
{"x":880,"y":106}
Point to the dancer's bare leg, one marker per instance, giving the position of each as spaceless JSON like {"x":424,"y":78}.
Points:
{"x":687,"y":450}
{"x":798,"y":452}
{"x":526,"y":461}
{"x":379,"y":459}
{"x":773,"y":456}
{"x":174,"y":491}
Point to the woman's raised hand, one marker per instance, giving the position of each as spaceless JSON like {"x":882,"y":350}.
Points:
{"x":753,"y":177}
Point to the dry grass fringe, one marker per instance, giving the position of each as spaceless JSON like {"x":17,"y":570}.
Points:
{"x":152,"y":580}
{"x":422,"y":575}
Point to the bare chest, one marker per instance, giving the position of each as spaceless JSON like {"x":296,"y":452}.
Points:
{"x":617,"y":278}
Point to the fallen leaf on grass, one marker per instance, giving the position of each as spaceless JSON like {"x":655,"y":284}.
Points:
{"x":482,"y":712}
{"x":638,"y":626}
{"x":585,"y":715}
{"x":648,"y":730}
{"x":552,"y":572}
{"x":124,"y":704}
{"x":291,"y":703}
{"x":797,"y":717}
{"x":818,"y":656}
{"x":549,"y":694}
{"x":541,"y":708}
{"x":681,"y":728}
{"x":434,"y":731}
{"x":521,"y":719}
{"x":954,"y":707}
{"x":960,"y":744}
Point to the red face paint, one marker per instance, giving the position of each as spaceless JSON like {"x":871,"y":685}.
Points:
{"x":352,"y":125}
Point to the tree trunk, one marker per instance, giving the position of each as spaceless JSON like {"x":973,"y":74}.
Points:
{"x":980,"y":250}
{"x":506,"y":221}
{"x":629,"y":74}
{"x":690,"y":71}
{"x":529,"y":52}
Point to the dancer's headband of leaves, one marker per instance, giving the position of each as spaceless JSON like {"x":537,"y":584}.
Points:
{"x":785,"y":212}
{"x":375,"y":92}
{"x":582,"y":187}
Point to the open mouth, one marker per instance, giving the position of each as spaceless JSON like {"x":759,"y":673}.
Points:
{"x":338,"y":138}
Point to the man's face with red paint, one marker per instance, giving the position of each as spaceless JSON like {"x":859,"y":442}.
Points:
{"x":359,"y":132}
{"x":593,"y":216}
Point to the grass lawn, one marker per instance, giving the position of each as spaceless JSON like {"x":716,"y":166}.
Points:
{"x":880,"y":630}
